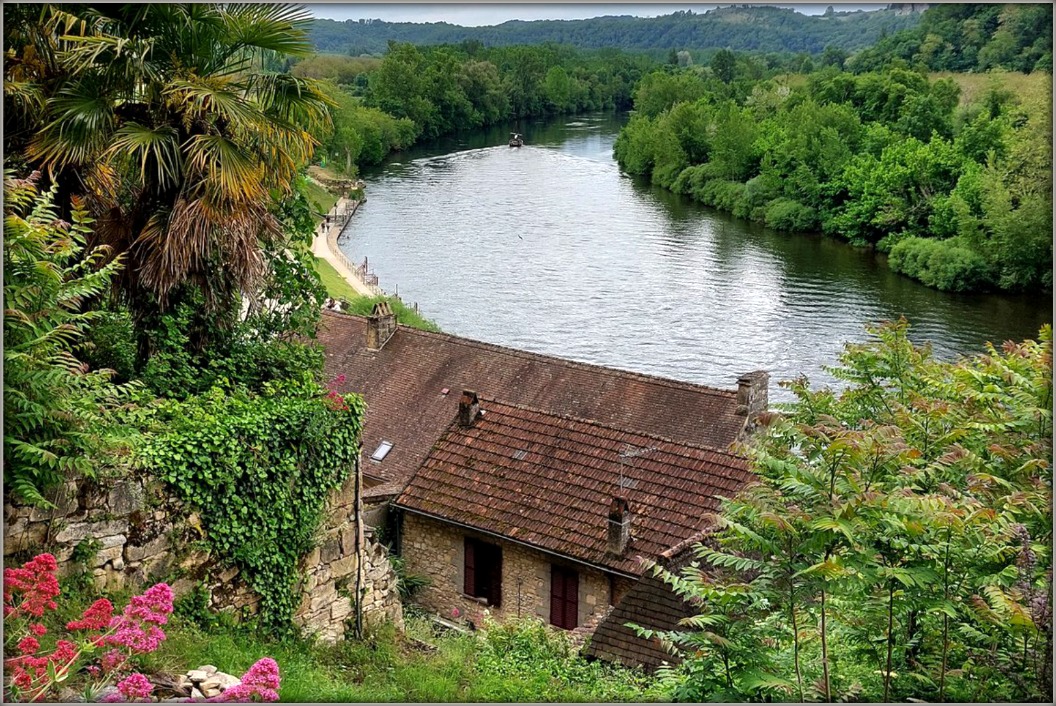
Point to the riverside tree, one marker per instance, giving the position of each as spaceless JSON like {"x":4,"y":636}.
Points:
{"x":897,"y":543}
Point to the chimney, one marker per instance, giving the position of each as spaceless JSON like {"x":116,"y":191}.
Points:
{"x":752,"y":394}
{"x":381,"y":324}
{"x":468,"y":408}
{"x":619,"y":526}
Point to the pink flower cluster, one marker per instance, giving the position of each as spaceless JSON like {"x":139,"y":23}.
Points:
{"x":37,"y":585}
{"x":334,"y":398}
{"x":31,"y":590}
{"x":260,"y":683}
{"x":137,"y":628}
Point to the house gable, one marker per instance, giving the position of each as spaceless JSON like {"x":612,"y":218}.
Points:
{"x":410,"y":384}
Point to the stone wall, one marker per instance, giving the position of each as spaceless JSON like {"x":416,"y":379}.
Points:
{"x":132,"y":533}
{"x":436,"y":550}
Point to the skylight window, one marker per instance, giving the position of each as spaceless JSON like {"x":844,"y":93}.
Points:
{"x":382,"y":451}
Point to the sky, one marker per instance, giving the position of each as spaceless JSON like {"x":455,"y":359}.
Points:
{"x":478,"y":14}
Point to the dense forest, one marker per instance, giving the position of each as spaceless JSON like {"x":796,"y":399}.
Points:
{"x":969,"y":38}
{"x":957,"y":192}
{"x":422,"y":92}
{"x":763,"y":29}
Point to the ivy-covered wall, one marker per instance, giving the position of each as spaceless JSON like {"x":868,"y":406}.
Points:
{"x":132,"y":531}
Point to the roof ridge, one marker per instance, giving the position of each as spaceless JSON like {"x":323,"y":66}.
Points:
{"x":462,"y":340}
{"x":592,"y":422}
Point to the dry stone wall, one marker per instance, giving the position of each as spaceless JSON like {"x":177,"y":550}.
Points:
{"x":436,"y":550}
{"x":130,"y":532}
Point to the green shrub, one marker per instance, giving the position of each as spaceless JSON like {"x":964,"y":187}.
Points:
{"x":943,"y":264}
{"x":259,"y":468}
{"x":786,"y":214}
{"x":723,"y":195}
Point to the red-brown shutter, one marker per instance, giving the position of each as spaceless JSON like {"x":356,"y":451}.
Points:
{"x":571,"y":599}
{"x":564,"y":597}
{"x":495,"y":598}
{"x":557,"y":597}
{"x":469,"y":586}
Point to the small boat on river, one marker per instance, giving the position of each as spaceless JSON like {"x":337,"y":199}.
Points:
{"x":516,"y":140}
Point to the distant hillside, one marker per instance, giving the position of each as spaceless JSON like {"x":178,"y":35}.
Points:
{"x":765,"y":29}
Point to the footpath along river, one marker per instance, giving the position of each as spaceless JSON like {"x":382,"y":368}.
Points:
{"x":549,"y":248}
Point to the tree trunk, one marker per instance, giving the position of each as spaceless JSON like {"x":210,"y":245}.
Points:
{"x":890,"y":636}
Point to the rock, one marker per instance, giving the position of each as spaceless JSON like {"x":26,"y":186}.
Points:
{"x":197,"y":675}
{"x":195,"y":694}
{"x":106,"y":555}
{"x":126,"y":498}
{"x":23,"y":535}
{"x":151,"y":548}
{"x":77,"y":531}
{"x":208,"y":669}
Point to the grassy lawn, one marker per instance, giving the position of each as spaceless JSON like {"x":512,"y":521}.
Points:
{"x":526,"y":662}
{"x":975,"y":86}
{"x":338,"y":288}
{"x":335,"y":284}
{"x":321,"y":200}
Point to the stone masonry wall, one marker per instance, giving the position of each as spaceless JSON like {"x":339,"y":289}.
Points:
{"x":436,"y":550}
{"x":133,"y":533}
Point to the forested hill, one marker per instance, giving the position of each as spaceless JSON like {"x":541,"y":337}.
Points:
{"x":767,"y":29}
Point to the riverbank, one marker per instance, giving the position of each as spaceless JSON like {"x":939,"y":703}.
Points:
{"x":324,"y":247}
{"x":354,"y":286}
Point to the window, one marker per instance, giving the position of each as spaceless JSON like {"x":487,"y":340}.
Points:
{"x":382,"y":451}
{"x":564,"y":597}
{"x":483,"y":571}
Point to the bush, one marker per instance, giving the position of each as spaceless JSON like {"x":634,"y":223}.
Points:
{"x":721,"y":194}
{"x":786,"y":214}
{"x":943,"y":264}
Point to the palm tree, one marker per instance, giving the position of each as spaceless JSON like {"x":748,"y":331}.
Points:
{"x":173,"y":124}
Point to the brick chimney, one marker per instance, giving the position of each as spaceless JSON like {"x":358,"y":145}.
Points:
{"x":619,"y":526}
{"x":752,"y":394}
{"x":381,"y":324}
{"x":468,"y":408}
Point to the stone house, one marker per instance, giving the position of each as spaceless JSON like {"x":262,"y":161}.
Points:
{"x":482,"y":509}
{"x":528,"y":513}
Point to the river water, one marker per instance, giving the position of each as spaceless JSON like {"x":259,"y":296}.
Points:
{"x":549,"y":248}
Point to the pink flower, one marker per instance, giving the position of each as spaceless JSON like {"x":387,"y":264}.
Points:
{"x":260,"y":683}
{"x":96,"y":617}
{"x":112,"y":660}
{"x":136,"y":686}
{"x":137,"y":626}
{"x":37,"y":584}
{"x":28,"y":645}
{"x":455,"y":612}
{"x":38,"y":629}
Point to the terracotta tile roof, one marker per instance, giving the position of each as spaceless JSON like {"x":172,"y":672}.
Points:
{"x":402,"y":386}
{"x":651,"y":604}
{"x":548,"y":481}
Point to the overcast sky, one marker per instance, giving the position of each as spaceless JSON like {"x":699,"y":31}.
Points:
{"x":477,"y":14}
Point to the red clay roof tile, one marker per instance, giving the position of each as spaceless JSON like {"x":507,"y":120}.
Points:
{"x":557,"y":496}
{"x":403,"y":386}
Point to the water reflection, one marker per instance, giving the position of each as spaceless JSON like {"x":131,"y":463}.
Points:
{"x":549,"y":248}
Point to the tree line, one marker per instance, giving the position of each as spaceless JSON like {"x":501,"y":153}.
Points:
{"x":968,"y":38}
{"x":743,"y":28}
{"x":418,"y":93}
{"x":958,"y":195}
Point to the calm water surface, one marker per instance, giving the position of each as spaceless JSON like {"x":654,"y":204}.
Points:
{"x":549,"y":248}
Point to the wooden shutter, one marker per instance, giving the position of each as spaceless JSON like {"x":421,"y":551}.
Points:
{"x":495,"y":574}
{"x":469,"y":586}
{"x":564,"y":597}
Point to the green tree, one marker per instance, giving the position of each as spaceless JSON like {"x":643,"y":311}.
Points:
{"x":897,"y":543}
{"x":176,"y":137}
{"x":56,"y":421}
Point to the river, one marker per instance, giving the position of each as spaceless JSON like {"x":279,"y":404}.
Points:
{"x":549,"y":248}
